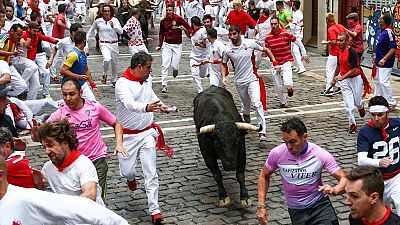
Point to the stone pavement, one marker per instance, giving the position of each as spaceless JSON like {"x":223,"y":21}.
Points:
{"x":188,"y":193}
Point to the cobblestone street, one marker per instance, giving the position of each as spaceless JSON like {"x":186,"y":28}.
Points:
{"x":188,"y":192}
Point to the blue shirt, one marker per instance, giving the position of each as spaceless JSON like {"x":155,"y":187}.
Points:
{"x":370,"y":140}
{"x":384,"y":43}
{"x":77,"y":62}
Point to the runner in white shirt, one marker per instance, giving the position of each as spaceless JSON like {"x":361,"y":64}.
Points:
{"x":267,"y":4}
{"x":10,"y":18}
{"x":199,"y":53}
{"x":248,"y":83}
{"x":264,"y":27}
{"x":136,"y":102}
{"x":2,"y":21}
{"x":80,"y":10}
{"x":20,"y":205}
{"x":193,"y":8}
{"x":296,"y":27}
{"x":133,"y":29}
{"x":109,"y":28}
{"x":215,"y":57}
{"x":68,"y":172}
{"x":208,"y":22}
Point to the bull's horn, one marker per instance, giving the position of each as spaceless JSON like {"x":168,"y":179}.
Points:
{"x":246,"y":126}
{"x":207,"y":129}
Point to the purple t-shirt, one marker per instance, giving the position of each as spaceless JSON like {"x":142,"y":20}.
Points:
{"x":384,"y":43}
{"x":87,"y":126}
{"x":301,"y":175}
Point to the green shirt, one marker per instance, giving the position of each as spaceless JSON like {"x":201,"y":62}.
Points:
{"x":284,"y":16}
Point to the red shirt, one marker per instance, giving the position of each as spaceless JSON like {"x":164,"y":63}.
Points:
{"x":58,"y":31}
{"x":333,"y":31}
{"x":279,"y":43}
{"x":241,"y":19}
{"x":32,"y":50}
{"x":169,"y":30}
{"x":357,"y":41}
{"x":19,"y":171}
{"x":348,"y":60}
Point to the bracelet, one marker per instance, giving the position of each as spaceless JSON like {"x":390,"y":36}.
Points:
{"x":216,"y":61}
{"x":261,"y":207}
{"x":93,"y":84}
{"x":275,"y":63}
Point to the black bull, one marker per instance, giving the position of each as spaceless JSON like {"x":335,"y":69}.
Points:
{"x":221,"y":135}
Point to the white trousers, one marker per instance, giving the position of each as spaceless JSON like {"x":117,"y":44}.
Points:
{"x":53,"y":67}
{"x":29,"y":72}
{"x":352,"y":95}
{"x":44,"y":74}
{"x":216,"y":9}
{"x":391,"y":193}
{"x":37,"y":105}
{"x":285,"y":75}
{"x":17,"y":84}
{"x":135,"y":49}
{"x":216,"y":79}
{"x":198,"y":73}
{"x":296,"y":54}
{"x":331,"y":64}
{"x":80,"y":9}
{"x":87,"y":92}
{"x":382,"y":85}
{"x":221,"y":15}
{"x":144,"y":145}
{"x":171,"y":56}
{"x":110,"y":54}
{"x":250,"y":93}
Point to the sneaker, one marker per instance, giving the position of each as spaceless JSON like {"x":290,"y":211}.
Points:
{"x":246,"y":118}
{"x":113,"y":84}
{"x":175,"y":73}
{"x":352,"y":128}
{"x":132,"y":185}
{"x":262,"y":137}
{"x":362,"y":112}
{"x":164,"y":89}
{"x":295,"y":68}
{"x":327,"y":93}
{"x":55,"y":80}
{"x":282,"y":106}
{"x":290,"y":92}
{"x":301,"y":71}
{"x":104,"y":79}
{"x":337,"y":90}
{"x":157,"y":218}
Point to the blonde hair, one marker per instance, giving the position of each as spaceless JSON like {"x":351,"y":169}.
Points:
{"x":330,"y":17}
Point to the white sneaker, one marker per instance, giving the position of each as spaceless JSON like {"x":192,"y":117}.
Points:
{"x":301,"y":71}
{"x":263,"y":137}
{"x":164,"y":89}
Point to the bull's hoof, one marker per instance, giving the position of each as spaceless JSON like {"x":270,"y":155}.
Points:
{"x":224,"y":202}
{"x":245,"y":202}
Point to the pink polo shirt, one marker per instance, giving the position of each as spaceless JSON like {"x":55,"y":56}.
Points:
{"x":87,"y":126}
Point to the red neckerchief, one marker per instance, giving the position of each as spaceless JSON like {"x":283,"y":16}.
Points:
{"x":278,"y":31}
{"x":69,"y":160}
{"x":195,"y":30}
{"x":205,"y":3}
{"x":262,"y":19}
{"x":133,"y":77}
{"x":381,"y":220}
{"x":16,"y":111}
{"x":383,"y":128}
{"x":331,"y":24}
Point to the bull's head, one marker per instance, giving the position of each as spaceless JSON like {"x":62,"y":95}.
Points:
{"x":228,"y":139}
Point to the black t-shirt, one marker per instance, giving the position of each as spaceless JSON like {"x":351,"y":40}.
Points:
{"x":6,"y":121}
{"x":392,"y":219}
{"x":254,"y":13}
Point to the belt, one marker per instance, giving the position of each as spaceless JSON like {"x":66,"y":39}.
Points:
{"x":109,"y":42}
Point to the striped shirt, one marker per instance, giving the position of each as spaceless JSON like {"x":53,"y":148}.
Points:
{"x":6,"y":44}
{"x":279,"y":43}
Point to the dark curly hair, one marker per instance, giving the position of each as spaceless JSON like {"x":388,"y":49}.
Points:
{"x":60,"y":130}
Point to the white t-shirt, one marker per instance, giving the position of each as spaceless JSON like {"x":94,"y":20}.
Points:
{"x":4,"y":68}
{"x":198,"y":52}
{"x":8,"y":23}
{"x":70,"y":181}
{"x":35,"y":207}
{"x":241,"y":59}
{"x":296,"y":26}
{"x":270,"y":4}
{"x":216,"y":52}
{"x":106,"y":32}
{"x":265,"y":29}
